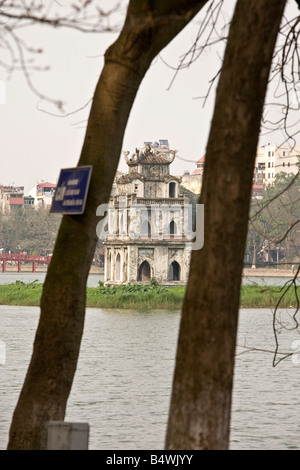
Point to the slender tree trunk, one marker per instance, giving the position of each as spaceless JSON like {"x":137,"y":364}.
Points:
{"x":201,"y":400}
{"x":254,"y":254}
{"x":149,"y":26}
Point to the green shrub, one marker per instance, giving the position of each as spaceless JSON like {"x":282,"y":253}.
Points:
{"x":147,"y":296}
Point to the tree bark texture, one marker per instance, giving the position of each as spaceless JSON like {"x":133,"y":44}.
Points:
{"x":200,"y":408}
{"x":148,"y":28}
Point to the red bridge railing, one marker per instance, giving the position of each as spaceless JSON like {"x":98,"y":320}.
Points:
{"x":20,"y":258}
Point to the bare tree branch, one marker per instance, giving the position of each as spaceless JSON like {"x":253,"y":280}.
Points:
{"x":290,"y":184}
{"x":288,"y":285}
{"x":85,"y":16}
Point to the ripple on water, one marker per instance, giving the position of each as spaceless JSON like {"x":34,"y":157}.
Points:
{"x":123,"y":381}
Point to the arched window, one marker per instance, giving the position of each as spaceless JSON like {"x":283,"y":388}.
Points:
{"x":174,"y":271}
{"x":144,"y":272}
{"x":109,"y":268}
{"x":145,"y":229}
{"x":121,"y":224}
{"x":125,"y":268}
{"x":173,"y":228}
{"x":118,"y":267}
{"x":172,"y":189}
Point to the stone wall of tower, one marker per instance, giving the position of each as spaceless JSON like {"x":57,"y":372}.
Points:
{"x":158,"y":251}
{"x":122,"y":263}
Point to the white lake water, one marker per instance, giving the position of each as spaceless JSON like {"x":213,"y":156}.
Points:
{"x":123,"y":383}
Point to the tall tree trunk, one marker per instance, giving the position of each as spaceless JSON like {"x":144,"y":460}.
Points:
{"x":201,"y":400}
{"x":149,"y":27}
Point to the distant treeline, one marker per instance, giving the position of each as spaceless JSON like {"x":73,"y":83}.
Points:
{"x":29,"y":230}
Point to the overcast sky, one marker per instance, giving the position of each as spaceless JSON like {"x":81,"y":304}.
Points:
{"x":36,"y":141}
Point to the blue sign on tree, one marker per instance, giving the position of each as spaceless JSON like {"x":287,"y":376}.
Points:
{"x":71,"y":191}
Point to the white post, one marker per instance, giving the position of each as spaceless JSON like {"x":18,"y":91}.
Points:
{"x":67,"y":436}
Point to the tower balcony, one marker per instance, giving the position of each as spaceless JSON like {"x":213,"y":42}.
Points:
{"x":161,"y":200}
{"x":133,"y":199}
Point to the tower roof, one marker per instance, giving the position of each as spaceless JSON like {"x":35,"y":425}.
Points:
{"x":150,"y":154}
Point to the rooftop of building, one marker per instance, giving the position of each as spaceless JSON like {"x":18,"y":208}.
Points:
{"x":46,"y":185}
{"x":201,"y":160}
{"x":12,"y":188}
{"x":16,"y":201}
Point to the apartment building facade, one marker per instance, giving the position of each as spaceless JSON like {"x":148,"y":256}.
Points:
{"x":272,"y":159}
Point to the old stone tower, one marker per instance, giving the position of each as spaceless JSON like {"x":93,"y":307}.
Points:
{"x":146,"y":237}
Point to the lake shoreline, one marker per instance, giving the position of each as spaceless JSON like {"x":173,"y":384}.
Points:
{"x":247,"y":272}
{"x":266,"y":272}
{"x":140,"y":296}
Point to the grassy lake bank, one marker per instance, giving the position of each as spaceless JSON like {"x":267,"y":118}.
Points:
{"x":147,"y":296}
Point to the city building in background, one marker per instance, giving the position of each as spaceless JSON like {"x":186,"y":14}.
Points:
{"x":272,"y":160}
{"x":42,"y":193}
{"x":11,"y":197}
